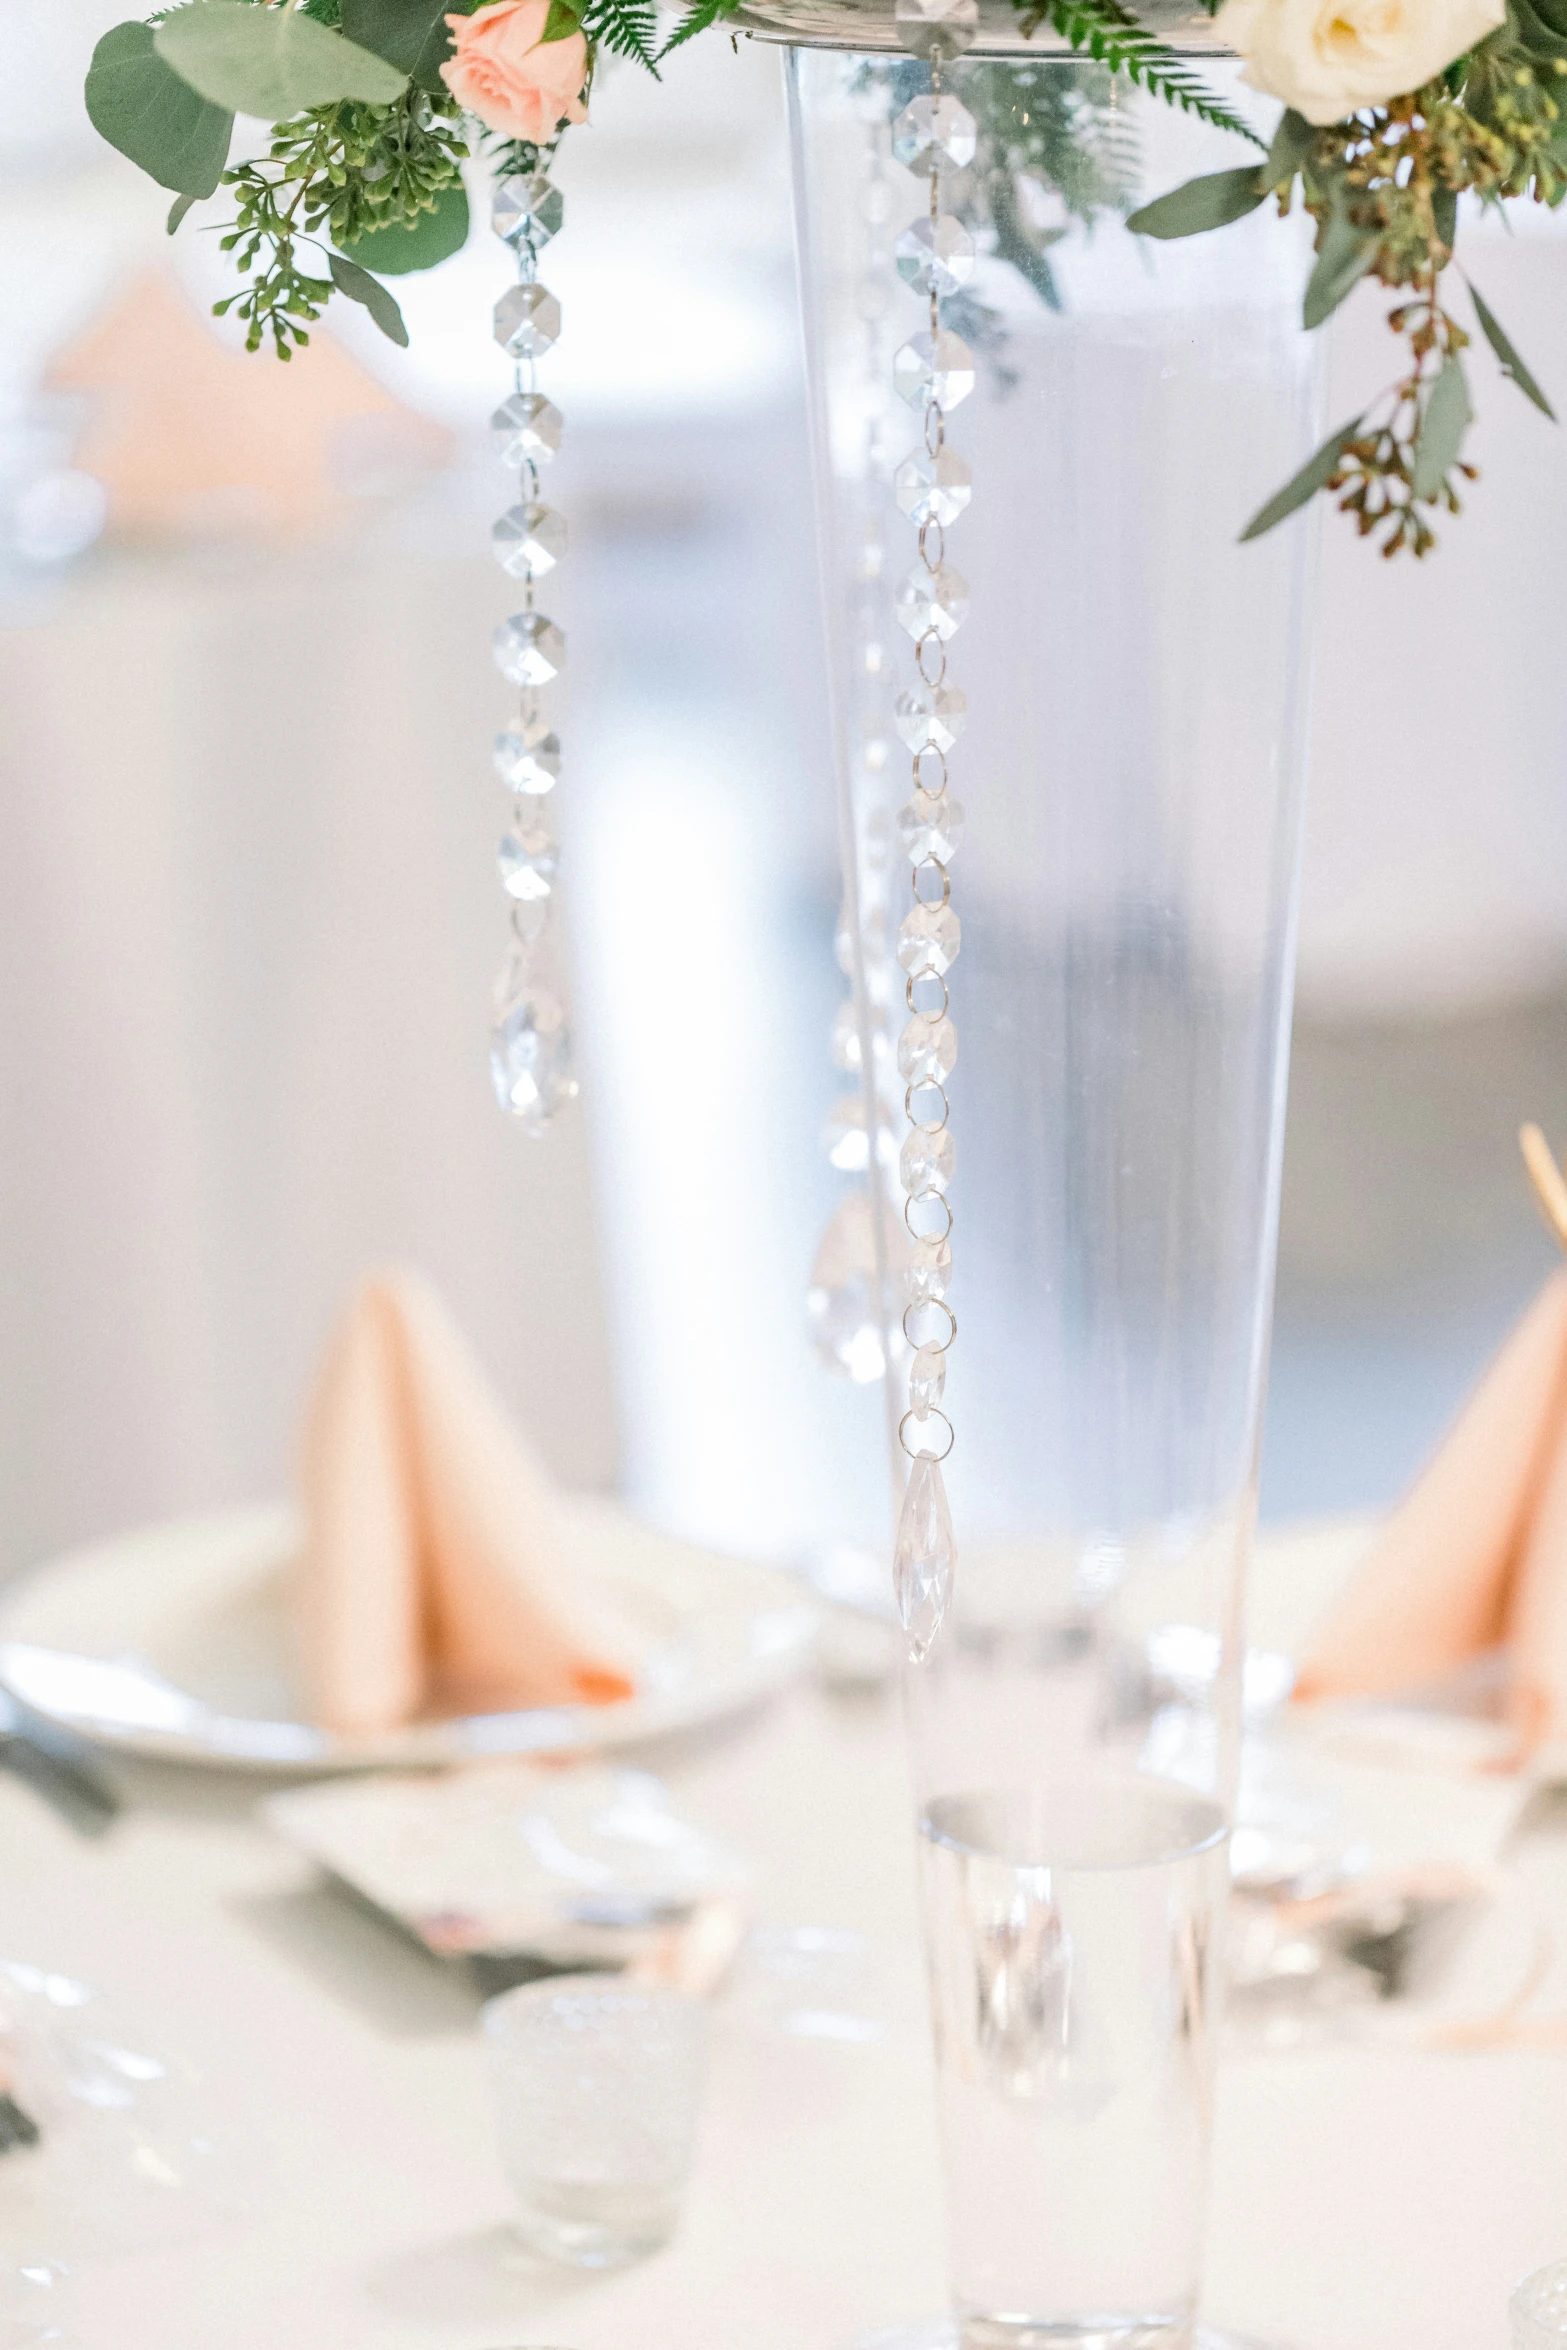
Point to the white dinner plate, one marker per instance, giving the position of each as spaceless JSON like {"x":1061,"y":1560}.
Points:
{"x":173,"y":1642}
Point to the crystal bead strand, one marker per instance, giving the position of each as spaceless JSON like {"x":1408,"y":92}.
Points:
{"x":933,"y":372}
{"x":530,"y":1041}
{"x":843,"y":1302}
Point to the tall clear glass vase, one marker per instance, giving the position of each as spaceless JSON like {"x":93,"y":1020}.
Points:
{"x":1123,"y":722}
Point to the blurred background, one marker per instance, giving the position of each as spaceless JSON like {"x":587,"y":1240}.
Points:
{"x":248,"y":916}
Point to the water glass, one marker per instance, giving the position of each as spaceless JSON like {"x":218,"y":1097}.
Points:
{"x":597,"y":2086}
{"x":1538,"y":2310}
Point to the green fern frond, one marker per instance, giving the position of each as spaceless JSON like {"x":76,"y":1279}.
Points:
{"x":1106,"y":30}
{"x":696,"y":20}
{"x":627,"y":27}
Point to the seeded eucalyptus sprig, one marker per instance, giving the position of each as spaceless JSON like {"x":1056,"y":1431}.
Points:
{"x":1383,"y":189}
{"x":380,"y":182}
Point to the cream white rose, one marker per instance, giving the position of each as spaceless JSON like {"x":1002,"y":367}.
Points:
{"x":1326,"y":58}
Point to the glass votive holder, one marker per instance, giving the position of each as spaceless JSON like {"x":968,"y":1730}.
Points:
{"x":1538,"y":2310}
{"x":598,"y":2086}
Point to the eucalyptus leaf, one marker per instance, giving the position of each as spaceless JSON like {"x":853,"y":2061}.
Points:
{"x":177,"y":211}
{"x":395,"y":251}
{"x":139,"y":104}
{"x":438,"y":46}
{"x":1210,"y":202}
{"x":360,"y":286}
{"x":1511,"y":364}
{"x":1345,"y":255}
{"x":1444,"y":214}
{"x":1535,"y":32}
{"x":395,"y":30}
{"x":270,"y":62}
{"x":1447,"y":418}
{"x":1291,"y":145}
{"x":1303,"y":485}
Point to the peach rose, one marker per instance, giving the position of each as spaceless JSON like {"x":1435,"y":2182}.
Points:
{"x":505,"y":72}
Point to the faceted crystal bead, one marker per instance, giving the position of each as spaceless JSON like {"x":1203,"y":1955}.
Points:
{"x":924,"y":1557}
{"x":843,"y":941}
{"x":530,"y":918}
{"x":930,"y":1272}
{"x":931,"y":716}
{"x":530,"y":1047}
{"x":933,"y":489}
{"x":932,"y":601}
{"x":873,"y":931}
{"x":931,"y":827}
{"x":529,"y":540}
{"x":847,"y":1054}
{"x":839,"y":1304}
{"x":528,"y":428}
{"x":844,"y":1137}
{"x":935,"y":134}
{"x":527,"y":212}
{"x":529,"y":649}
{"x":527,"y":320}
{"x":927,"y":1162}
{"x":927,"y":1051}
{"x":935,"y":256}
{"x":927,"y":1380}
{"x":528,"y":854}
{"x":928,"y":940}
{"x":938,"y":29}
{"x":528,"y":757}
{"x":934,"y":367}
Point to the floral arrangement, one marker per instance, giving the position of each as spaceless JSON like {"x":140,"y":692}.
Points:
{"x":1393,"y":109}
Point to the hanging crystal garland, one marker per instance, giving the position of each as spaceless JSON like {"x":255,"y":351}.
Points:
{"x":530,"y":1042}
{"x":933,"y":371}
{"x":842,"y":1302}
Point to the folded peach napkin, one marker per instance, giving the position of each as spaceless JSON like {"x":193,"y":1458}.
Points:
{"x":191,"y":437}
{"x":1476,"y":1557}
{"x":435,"y":1574}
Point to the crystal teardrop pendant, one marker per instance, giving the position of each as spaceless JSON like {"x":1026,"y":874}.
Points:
{"x":924,"y":1557}
{"x":530,"y":1046}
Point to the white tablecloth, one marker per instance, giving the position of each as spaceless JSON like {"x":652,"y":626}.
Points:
{"x":1364,"y":2199}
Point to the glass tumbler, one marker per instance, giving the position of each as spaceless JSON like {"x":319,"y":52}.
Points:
{"x":597,"y":2087}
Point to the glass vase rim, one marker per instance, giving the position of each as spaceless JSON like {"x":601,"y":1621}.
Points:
{"x":872,"y":27}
